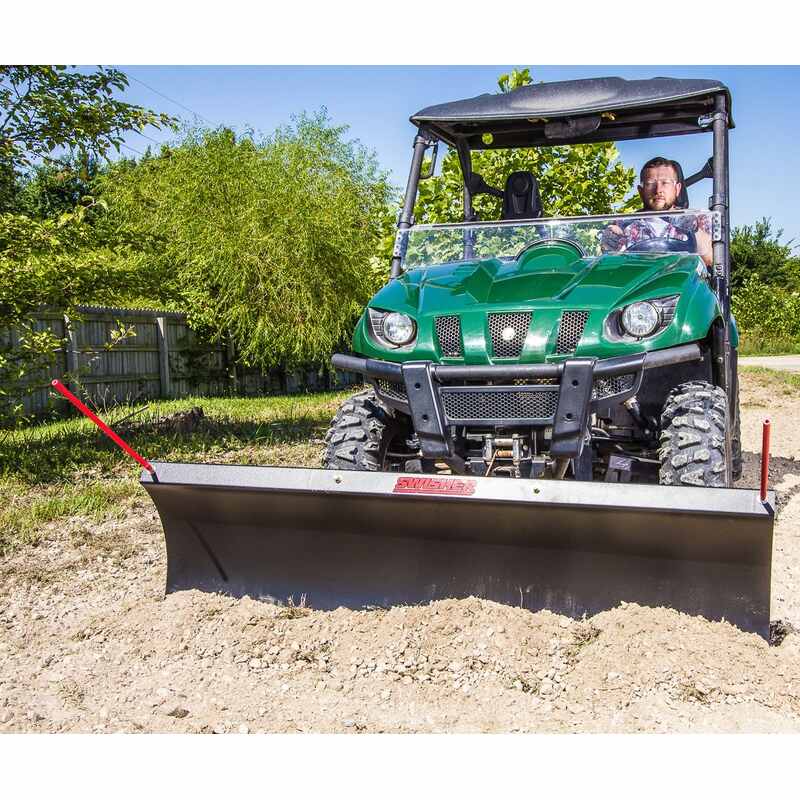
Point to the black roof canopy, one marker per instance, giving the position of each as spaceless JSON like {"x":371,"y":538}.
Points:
{"x":575,"y":112}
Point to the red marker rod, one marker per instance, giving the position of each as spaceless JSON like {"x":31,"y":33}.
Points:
{"x":764,"y":459}
{"x":61,"y":389}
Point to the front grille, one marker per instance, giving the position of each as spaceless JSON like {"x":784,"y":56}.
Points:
{"x":515,"y":326}
{"x":535,"y":381}
{"x":376,"y":324}
{"x":500,"y":405}
{"x":667,"y":308}
{"x":570,"y":330}
{"x":606,"y":387}
{"x":448,"y":332}
{"x":394,"y":391}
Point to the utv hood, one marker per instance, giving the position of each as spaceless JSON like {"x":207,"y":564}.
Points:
{"x":552,"y":286}
{"x":546,"y":279}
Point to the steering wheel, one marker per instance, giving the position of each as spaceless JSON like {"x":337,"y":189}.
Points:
{"x":664,"y":244}
{"x":546,"y":242}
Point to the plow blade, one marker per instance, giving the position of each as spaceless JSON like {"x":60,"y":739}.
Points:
{"x":359,"y":539}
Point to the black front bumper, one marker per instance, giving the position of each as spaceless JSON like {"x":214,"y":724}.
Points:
{"x":438,"y":396}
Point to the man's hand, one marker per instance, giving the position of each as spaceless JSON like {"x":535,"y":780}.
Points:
{"x":704,"y":249}
{"x":613,"y":239}
{"x":700,"y":226}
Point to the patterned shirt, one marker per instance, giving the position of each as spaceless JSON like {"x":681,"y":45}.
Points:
{"x":653,"y":228}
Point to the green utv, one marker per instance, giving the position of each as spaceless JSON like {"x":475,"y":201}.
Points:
{"x":583,"y":371}
{"x":517,"y":347}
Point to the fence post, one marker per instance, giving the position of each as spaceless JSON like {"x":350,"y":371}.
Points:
{"x":230,"y":354}
{"x":163,"y":356}
{"x":72,"y":349}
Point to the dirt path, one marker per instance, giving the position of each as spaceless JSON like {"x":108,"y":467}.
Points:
{"x":88,"y":643}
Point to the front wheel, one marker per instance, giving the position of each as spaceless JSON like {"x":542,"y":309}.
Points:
{"x":695,"y":443}
{"x":367,"y":436}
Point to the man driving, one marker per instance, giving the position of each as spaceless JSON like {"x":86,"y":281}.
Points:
{"x":660,"y":189}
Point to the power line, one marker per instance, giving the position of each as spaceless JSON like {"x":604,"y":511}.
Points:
{"x":154,"y":141}
{"x":185,"y":108}
{"x":132,"y":149}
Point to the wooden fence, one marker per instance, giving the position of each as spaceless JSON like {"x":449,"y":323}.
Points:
{"x":162,"y":358}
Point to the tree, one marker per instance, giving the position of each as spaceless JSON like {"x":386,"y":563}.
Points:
{"x":54,"y":125}
{"x":50,"y":113}
{"x":45,"y":263}
{"x":269,"y":241}
{"x":757,"y":252}
{"x":51,"y":189}
{"x":8,"y":186}
{"x":573,"y":180}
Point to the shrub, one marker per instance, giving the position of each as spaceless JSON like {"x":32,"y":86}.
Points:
{"x":45,"y":263}
{"x":757,"y":251}
{"x":768,"y":317}
{"x":268,"y":241}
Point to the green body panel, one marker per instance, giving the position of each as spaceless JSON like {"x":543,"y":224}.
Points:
{"x":733,"y":333}
{"x":545,"y":280}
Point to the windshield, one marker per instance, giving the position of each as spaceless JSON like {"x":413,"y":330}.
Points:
{"x":654,"y":232}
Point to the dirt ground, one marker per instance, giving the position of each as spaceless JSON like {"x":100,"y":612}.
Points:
{"x":89,"y":643}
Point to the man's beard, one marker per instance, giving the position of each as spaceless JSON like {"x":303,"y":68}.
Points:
{"x":662,"y":204}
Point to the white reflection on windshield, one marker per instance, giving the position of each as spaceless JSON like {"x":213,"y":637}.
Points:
{"x":425,"y":245}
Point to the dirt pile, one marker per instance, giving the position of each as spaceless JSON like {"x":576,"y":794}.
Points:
{"x":181,"y":422}
{"x":89,"y":644}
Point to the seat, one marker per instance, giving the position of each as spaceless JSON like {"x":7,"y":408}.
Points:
{"x":521,"y":198}
{"x":683,"y":197}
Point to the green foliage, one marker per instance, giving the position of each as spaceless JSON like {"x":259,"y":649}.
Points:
{"x":515,"y":79}
{"x":45,"y":263}
{"x":768,"y":316}
{"x":8,"y":186}
{"x":757,"y":252}
{"x":767,"y":343}
{"x":50,"y":109}
{"x":765,"y":281}
{"x":269,"y":241}
{"x":53,"y":262}
{"x":573,"y":180}
{"x":52,"y":189}
{"x":54,"y":126}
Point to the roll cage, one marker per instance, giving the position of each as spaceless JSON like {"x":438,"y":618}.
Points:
{"x":581,"y":112}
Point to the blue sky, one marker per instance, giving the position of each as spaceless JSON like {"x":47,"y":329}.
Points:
{"x":376,"y":103}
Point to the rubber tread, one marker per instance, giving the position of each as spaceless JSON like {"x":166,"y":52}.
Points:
{"x":736,"y":443}
{"x":359,"y":434}
{"x":695,"y":441}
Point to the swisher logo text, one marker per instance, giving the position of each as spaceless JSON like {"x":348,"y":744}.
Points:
{"x":453,"y":486}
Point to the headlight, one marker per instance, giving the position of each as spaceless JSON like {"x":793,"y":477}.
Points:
{"x":391,"y":328}
{"x":398,"y":328}
{"x":640,"y":319}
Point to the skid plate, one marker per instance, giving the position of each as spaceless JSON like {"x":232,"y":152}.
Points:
{"x":360,"y":539}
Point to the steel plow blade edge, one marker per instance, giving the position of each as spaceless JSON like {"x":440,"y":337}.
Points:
{"x":358,"y":539}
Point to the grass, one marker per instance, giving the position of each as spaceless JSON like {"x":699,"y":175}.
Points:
{"x":772,"y":380}
{"x":53,"y":471}
{"x":67,"y":468}
{"x":754,"y":344}
{"x":26,"y":510}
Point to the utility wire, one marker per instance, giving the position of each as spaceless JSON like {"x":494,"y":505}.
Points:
{"x":186,"y":108}
{"x":133,"y":149}
{"x":154,"y":141}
